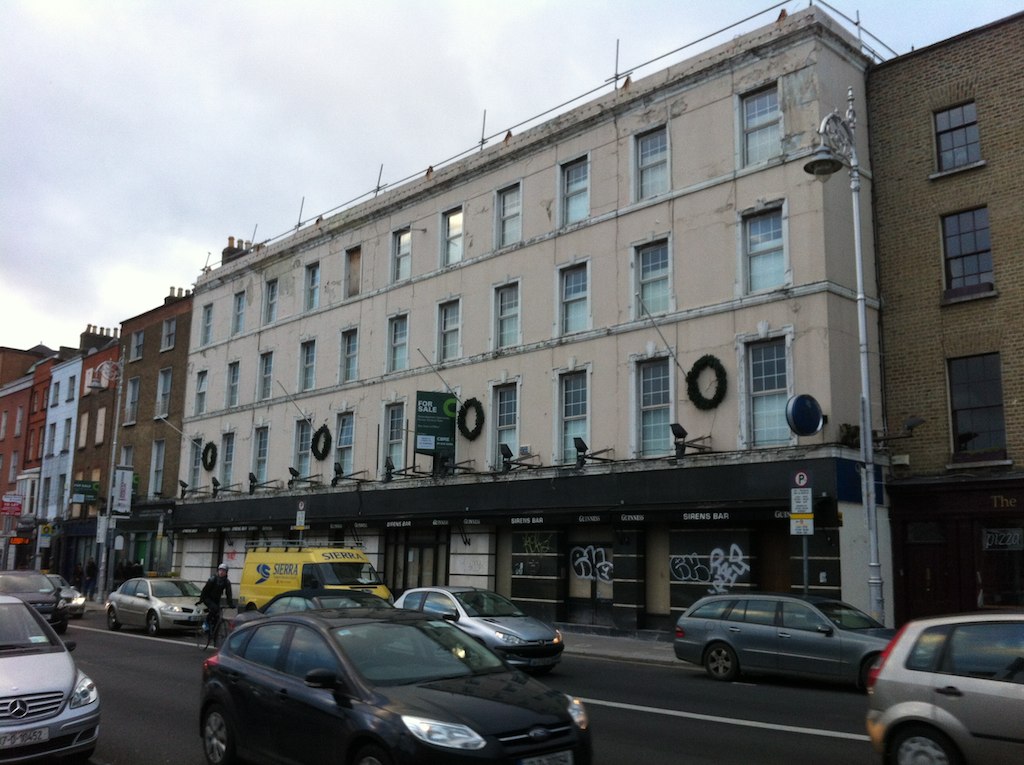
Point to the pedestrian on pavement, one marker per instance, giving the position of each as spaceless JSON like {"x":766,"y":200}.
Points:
{"x":90,"y":579}
{"x":77,"y":578}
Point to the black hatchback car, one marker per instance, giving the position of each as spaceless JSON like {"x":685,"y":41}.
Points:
{"x":36,"y":589}
{"x":378,"y":687}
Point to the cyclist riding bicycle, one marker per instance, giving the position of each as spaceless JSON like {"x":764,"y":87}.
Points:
{"x":216,"y":586}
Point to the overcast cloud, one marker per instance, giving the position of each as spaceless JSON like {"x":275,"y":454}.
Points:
{"x":135,"y":137}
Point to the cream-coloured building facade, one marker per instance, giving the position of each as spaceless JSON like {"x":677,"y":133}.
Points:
{"x":563,"y":283}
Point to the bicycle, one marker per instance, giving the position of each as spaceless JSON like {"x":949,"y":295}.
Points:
{"x":215,"y":635}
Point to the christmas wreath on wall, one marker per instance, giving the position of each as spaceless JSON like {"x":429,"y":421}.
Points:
{"x":693,"y":382}
{"x":478,"y":422}
{"x":321,"y":445}
{"x":209,"y":455}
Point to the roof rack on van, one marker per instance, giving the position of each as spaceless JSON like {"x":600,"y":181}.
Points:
{"x":292,"y":544}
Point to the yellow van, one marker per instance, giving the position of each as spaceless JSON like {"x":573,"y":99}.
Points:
{"x":272,"y":569}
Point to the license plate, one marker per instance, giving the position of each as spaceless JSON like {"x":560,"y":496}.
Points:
{"x":555,"y":758}
{"x":24,"y":737}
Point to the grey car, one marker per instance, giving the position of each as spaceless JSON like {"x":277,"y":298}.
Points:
{"x":950,"y":690}
{"x":38,"y":591}
{"x":156,"y":604}
{"x":521,"y":640}
{"x":796,"y":636}
{"x":48,"y":706}
{"x":74,"y":598}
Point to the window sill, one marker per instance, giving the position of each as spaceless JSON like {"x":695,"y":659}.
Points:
{"x":956,"y":170}
{"x":992,"y":458}
{"x":967,"y":294}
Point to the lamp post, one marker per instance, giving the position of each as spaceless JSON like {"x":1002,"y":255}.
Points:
{"x":112,"y":370}
{"x":837,"y":149}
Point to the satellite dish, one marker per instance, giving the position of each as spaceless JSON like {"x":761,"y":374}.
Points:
{"x":803,"y":413}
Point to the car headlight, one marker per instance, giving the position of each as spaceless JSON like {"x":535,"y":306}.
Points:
{"x":509,"y":638}
{"x":450,"y":735}
{"x":577,"y":712}
{"x":171,"y":609}
{"x":79,"y":600}
{"x":85,"y":691}
{"x":558,"y":637}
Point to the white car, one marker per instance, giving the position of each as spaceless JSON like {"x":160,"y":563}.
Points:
{"x":75,"y":599}
{"x":155,"y":604}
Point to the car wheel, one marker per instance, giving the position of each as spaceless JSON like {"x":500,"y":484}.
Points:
{"x":218,"y":738}
{"x":61,"y":628}
{"x":721,"y":663}
{"x":922,"y":745}
{"x":112,"y":622}
{"x":152,"y":624}
{"x":372,"y":755}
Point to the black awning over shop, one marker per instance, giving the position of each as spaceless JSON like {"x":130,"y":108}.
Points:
{"x":681,"y":494}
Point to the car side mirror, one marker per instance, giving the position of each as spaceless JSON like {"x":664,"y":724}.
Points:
{"x":70,"y":645}
{"x":825,"y":629}
{"x":321,"y":678}
{"x":450,"y":616}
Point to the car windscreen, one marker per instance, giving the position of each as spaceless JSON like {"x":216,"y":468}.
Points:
{"x":26,"y":583}
{"x":347,"y":573}
{"x":175,"y":588}
{"x":22,"y":632}
{"x":390,"y":653}
{"x":483,"y":603}
{"x":846,"y":616}
{"x":354,"y":599}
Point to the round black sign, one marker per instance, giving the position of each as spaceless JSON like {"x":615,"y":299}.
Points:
{"x":803,"y":413}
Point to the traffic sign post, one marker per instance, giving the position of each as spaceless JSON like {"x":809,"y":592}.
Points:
{"x":801,"y":514}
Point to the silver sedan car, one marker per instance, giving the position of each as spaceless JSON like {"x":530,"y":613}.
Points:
{"x":75,"y":599}
{"x":155,"y":604}
{"x":762,"y":633}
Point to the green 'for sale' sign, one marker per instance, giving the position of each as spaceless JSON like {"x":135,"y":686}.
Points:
{"x":435,"y":423}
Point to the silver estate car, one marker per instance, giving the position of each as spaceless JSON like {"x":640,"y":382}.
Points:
{"x":762,"y":633}
{"x":950,"y":690}
{"x":156,"y":604}
{"x":48,"y":707}
{"x":521,"y":640}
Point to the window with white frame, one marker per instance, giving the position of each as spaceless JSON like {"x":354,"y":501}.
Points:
{"x":51,"y":439}
{"x":206,"y":325}
{"x":201,"y":382}
{"x":3,"y":424}
{"x":312,"y":286}
{"x":448,"y":326}
{"x":574,"y":304}
{"x":270,"y":301}
{"x":227,"y":458}
{"x":506,"y":315}
{"x":101,"y":425}
{"x":394,"y":422}
{"x":266,"y":379}
{"x":170,"y":329}
{"x":349,"y":355}
{"x":260,"y":453}
{"x":65,"y":439}
{"x":957,"y":139}
{"x":231,"y":394}
{"x":55,"y":393}
{"x":573,"y":406}
{"x":655,"y":405}
{"x":761,"y":126}
{"x":575,"y":191}
{"x":344,"y":444}
{"x":238,"y":313}
{"x":156,"y":469}
{"x":71,"y":388}
{"x":12,"y":474}
{"x":653,"y":286}
{"x":452,"y":227}
{"x":163,"y":393}
{"x":307,"y":365}
{"x":131,"y":400}
{"x":976,"y":406}
{"x":510,"y":216}
{"x":769,"y":384}
{"x":652,"y":163}
{"x":401,"y":255}
{"x":398,"y":342}
{"x":127,"y":456}
{"x":195,"y":463}
{"x":138,"y":340}
{"x":303,"y":442}
{"x":764,"y":250}
{"x":46,"y":492}
{"x":506,"y":421}
{"x":19,"y":421}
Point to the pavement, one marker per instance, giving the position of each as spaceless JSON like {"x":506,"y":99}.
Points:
{"x":647,"y":647}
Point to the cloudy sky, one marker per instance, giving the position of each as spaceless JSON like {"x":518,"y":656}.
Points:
{"x":137,"y":135}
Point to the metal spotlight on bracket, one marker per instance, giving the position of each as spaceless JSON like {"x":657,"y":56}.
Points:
{"x":679,"y":436}
{"x":510,"y":462}
{"x":583,"y":453}
{"x":297,"y":477}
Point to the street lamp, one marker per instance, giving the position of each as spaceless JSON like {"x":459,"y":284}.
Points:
{"x":836,"y":150}
{"x":114,"y":371}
